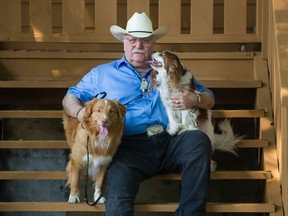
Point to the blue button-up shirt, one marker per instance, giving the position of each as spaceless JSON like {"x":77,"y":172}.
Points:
{"x":122,"y":82}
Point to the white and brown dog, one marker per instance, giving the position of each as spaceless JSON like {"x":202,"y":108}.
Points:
{"x":169,"y":76}
{"x":101,"y":131}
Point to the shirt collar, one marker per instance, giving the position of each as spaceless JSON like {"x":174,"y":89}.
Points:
{"x":123,"y":60}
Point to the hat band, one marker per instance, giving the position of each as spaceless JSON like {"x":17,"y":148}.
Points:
{"x":139,"y":31}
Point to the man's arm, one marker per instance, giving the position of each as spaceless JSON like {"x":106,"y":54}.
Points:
{"x":73,"y":106}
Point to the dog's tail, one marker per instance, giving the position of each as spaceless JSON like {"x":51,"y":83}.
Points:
{"x":227,"y":140}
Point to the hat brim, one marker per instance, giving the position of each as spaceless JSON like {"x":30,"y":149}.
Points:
{"x":119,"y":33}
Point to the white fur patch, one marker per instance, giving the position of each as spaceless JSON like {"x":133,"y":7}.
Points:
{"x":74,"y":199}
{"x":101,"y":142}
{"x":179,"y":120}
{"x":97,"y":194}
{"x":95,"y":163}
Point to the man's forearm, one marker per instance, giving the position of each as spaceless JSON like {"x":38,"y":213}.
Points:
{"x":72,"y":105}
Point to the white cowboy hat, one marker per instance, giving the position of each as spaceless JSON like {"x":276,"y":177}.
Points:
{"x":140,"y":26}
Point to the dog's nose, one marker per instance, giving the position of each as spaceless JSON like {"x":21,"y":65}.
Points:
{"x":104,"y":121}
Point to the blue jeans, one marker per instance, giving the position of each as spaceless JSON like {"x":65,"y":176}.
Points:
{"x":140,"y":157}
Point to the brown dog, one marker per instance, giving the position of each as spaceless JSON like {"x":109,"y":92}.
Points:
{"x":101,"y":129}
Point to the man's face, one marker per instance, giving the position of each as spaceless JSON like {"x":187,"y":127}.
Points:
{"x":138,"y":50}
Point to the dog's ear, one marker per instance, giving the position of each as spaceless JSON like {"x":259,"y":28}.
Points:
{"x":121,"y":108}
{"x":88,"y":107}
{"x":192,"y":84}
{"x":153,"y":79}
{"x":175,"y":70}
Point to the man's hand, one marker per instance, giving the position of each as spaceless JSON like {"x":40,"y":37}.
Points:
{"x":188,"y":100}
{"x":80,"y":114}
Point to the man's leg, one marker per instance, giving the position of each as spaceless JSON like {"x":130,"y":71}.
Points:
{"x":134,"y":162}
{"x":190,"y":154}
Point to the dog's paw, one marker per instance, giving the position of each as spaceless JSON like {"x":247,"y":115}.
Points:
{"x":73,"y":199}
{"x":97,"y":194}
{"x":102,"y":200}
{"x":173,"y":130}
{"x":213,"y":165}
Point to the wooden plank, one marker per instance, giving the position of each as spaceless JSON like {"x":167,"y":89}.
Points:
{"x":33,"y":144}
{"x":58,"y":113}
{"x":60,"y":175}
{"x":10,"y":16}
{"x":262,"y":26}
{"x":24,"y":54}
{"x":73,"y":81}
{"x":266,"y":131}
{"x":30,"y":175}
{"x":232,"y":175}
{"x":202,"y":17}
{"x":283,"y":148}
{"x":257,"y":143}
{"x":139,"y":6}
{"x":89,"y":37}
{"x":164,"y":207}
{"x":238,"y":113}
{"x":102,"y":8}
{"x":73,"y":16}
{"x":41,"y":17}
{"x":235,"y":15}
{"x":278,"y":29}
{"x":62,"y":144}
{"x":31,"y":114}
{"x":170,"y":16}
{"x":232,"y":83}
{"x":38,"y":84}
{"x":241,"y":207}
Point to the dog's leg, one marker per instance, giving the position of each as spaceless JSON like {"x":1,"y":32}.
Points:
{"x":173,"y":126}
{"x":99,"y":183}
{"x":213,"y":165}
{"x":74,"y":175}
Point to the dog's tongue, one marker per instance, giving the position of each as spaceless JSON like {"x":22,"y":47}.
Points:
{"x":154,"y":63}
{"x":103,"y":131}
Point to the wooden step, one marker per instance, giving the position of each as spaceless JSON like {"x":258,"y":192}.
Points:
{"x":62,"y":144}
{"x":58,"y":113}
{"x":62,"y":175}
{"x":164,"y":207}
{"x":112,"y":55}
{"x":72,"y":82}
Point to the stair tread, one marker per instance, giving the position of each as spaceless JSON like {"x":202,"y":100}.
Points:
{"x":58,"y":175}
{"x":62,"y":144}
{"x":139,"y":207}
{"x":71,"y":82}
{"x":59,"y":114}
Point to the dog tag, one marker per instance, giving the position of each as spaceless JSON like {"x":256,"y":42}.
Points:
{"x":154,"y":129}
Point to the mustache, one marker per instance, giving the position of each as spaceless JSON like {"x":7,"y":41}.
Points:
{"x":138,"y":51}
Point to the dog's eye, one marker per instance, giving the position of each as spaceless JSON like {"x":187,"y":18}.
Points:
{"x":98,"y":110}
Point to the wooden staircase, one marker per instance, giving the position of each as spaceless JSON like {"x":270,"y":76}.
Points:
{"x":254,"y":88}
{"x":37,"y":66}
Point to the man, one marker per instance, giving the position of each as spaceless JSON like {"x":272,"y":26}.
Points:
{"x":141,"y":156}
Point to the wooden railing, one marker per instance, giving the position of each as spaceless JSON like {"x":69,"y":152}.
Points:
{"x":27,"y":63}
{"x":277,"y":61}
{"x":89,"y":20}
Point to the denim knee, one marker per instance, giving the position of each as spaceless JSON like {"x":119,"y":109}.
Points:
{"x":197,"y":141}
